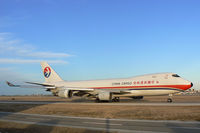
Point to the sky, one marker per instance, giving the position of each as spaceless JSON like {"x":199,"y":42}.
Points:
{"x":97,"y":39}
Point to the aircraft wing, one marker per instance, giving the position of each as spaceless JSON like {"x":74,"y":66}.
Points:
{"x":12,"y":85}
{"x":79,"y":91}
{"x":42,"y":84}
{"x":34,"y":85}
{"x":67,"y":87}
{"x":47,"y":86}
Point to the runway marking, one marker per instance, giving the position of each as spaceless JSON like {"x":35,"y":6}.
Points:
{"x":102,"y":123}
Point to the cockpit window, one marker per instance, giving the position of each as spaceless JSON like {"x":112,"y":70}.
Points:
{"x":175,"y":75}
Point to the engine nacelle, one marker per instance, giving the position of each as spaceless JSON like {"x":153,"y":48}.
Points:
{"x":65,"y":93}
{"x":104,"y":96}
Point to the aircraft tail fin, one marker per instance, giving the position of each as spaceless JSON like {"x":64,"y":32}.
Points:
{"x":49,"y":74}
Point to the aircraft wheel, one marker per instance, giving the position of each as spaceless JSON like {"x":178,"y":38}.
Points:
{"x":116,"y":99}
{"x":97,"y":100}
{"x":169,"y":100}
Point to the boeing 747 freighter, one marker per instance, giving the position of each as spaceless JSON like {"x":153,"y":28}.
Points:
{"x":113,"y":89}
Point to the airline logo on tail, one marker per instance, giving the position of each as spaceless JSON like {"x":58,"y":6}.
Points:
{"x":47,"y":72}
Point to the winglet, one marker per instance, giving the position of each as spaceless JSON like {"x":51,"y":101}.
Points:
{"x":12,"y":85}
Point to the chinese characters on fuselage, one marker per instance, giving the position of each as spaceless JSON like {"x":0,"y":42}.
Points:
{"x":135,"y":83}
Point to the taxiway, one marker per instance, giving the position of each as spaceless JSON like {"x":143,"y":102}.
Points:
{"x":119,"y":125}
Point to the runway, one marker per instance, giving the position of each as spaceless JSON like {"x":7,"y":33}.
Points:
{"x":118,"y":125}
{"x":117,"y":104}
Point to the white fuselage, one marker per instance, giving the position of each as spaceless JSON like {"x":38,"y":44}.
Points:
{"x":152,"y":84}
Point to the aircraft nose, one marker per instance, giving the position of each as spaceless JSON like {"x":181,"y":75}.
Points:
{"x":191,"y":84}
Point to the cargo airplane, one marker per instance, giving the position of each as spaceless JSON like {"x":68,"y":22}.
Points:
{"x":113,"y":89}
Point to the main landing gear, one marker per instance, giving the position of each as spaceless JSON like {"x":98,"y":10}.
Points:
{"x":115,"y":99}
{"x":169,"y":100}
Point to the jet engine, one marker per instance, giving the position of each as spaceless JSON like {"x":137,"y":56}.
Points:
{"x":65,"y":93}
{"x":104,"y":96}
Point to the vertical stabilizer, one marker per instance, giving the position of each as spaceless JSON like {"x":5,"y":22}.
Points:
{"x":49,"y":74}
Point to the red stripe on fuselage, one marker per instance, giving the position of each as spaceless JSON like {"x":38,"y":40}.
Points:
{"x":181,"y":87}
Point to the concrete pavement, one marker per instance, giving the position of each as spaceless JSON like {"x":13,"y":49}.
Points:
{"x":119,"y":125}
